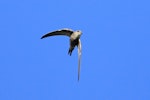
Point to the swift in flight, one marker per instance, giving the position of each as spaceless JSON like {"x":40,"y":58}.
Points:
{"x":74,"y":41}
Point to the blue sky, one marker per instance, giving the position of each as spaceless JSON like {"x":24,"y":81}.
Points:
{"x":115,"y":50}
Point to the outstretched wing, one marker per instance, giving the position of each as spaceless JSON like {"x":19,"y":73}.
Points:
{"x":79,"y":58}
{"x":66,"y":32}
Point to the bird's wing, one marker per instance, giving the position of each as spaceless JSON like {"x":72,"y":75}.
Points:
{"x":66,"y":32}
{"x":79,"y":58}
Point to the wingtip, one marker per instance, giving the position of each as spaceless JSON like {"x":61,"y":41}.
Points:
{"x":78,"y":79}
{"x":42,"y":37}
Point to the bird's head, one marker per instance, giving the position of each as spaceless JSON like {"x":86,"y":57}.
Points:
{"x":79,"y":33}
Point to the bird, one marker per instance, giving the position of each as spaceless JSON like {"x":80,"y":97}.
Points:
{"x":74,"y":41}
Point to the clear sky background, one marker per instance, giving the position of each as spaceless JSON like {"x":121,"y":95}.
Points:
{"x":115,"y":50}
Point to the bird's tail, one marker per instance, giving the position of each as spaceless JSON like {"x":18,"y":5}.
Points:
{"x":70,"y":50}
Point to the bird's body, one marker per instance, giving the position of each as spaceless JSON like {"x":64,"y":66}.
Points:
{"x":74,"y":41}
